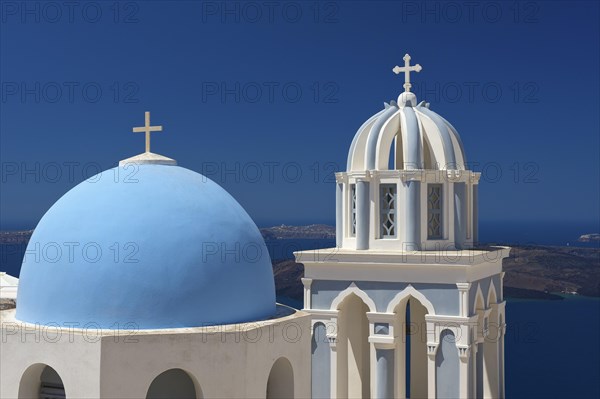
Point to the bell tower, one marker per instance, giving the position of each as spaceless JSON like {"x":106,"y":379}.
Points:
{"x":407,"y":304}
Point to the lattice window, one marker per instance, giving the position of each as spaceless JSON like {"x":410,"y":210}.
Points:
{"x":387,"y":210}
{"x":353,"y":210}
{"x":434,"y":211}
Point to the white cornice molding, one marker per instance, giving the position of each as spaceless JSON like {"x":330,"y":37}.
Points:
{"x":341,"y":177}
{"x":450,"y":257}
{"x":380,"y":317}
{"x":322,"y":313}
{"x":463,"y":286}
{"x":474,"y":177}
{"x":424,"y":175}
{"x":382,"y":341}
{"x":350,"y":265}
{"x":451,"y":320}
{"x":455,"y":175}
{"x":435,"y":274}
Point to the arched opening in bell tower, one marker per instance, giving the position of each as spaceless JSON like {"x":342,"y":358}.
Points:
{"x":490,"y":348}
{"x":411,"y":349}
{"x":354,"y":374}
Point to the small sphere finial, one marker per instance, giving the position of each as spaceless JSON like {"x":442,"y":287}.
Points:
{"x":407,"y":99}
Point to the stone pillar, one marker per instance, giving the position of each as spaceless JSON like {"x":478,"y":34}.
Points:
{"x":484,"y":359}
{"x":463,"y":298}
{"x":431,"y":377}
{"x":502,"y":328}
{"x":491,"y":353}
{"x":362,"y":214}
{"x":502,"y":331}
{"x":307,"y":282}
{"x":401,"y":369}
{"x":418,"y":351}
{"x":385,"y":372}
{"x":460,"y":215}
{"x":464,"y":354}
{"x":501,"y":393}
{"x":479,"y":375}
{"x":334,"y":366}
{"x":339,"y":215}
{"x":320,"y":360}
{"x":475,"y":214}
{"x":412,"y":215}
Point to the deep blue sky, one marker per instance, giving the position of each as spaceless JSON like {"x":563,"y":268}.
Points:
{"x":171,"y":57}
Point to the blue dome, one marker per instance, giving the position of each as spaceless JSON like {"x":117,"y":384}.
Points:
{"x":150,"y":246}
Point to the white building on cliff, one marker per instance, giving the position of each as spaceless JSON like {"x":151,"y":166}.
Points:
{"x":150,"y":281}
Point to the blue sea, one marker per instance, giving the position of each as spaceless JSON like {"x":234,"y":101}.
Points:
{"x":552,"y":347}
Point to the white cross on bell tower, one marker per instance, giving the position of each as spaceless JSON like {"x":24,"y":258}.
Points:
{"x":407,"y":69}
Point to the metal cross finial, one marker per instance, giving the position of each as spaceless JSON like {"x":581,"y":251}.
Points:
{"x":407,"y":69}
{"x":147,"y":129}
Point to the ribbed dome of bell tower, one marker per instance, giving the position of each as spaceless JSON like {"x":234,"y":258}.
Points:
{"x":407,"y":185}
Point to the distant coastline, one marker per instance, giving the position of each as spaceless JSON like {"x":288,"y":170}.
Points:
{"x":15,"y":237}
{"x":589,"y":237}
{"x":532,"y":271}
{"x":311,"y":231}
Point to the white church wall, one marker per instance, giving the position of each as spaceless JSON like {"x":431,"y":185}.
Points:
{"x":226,"y":361}
{"x":223,"y":361}
{"x":73,"y":355}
